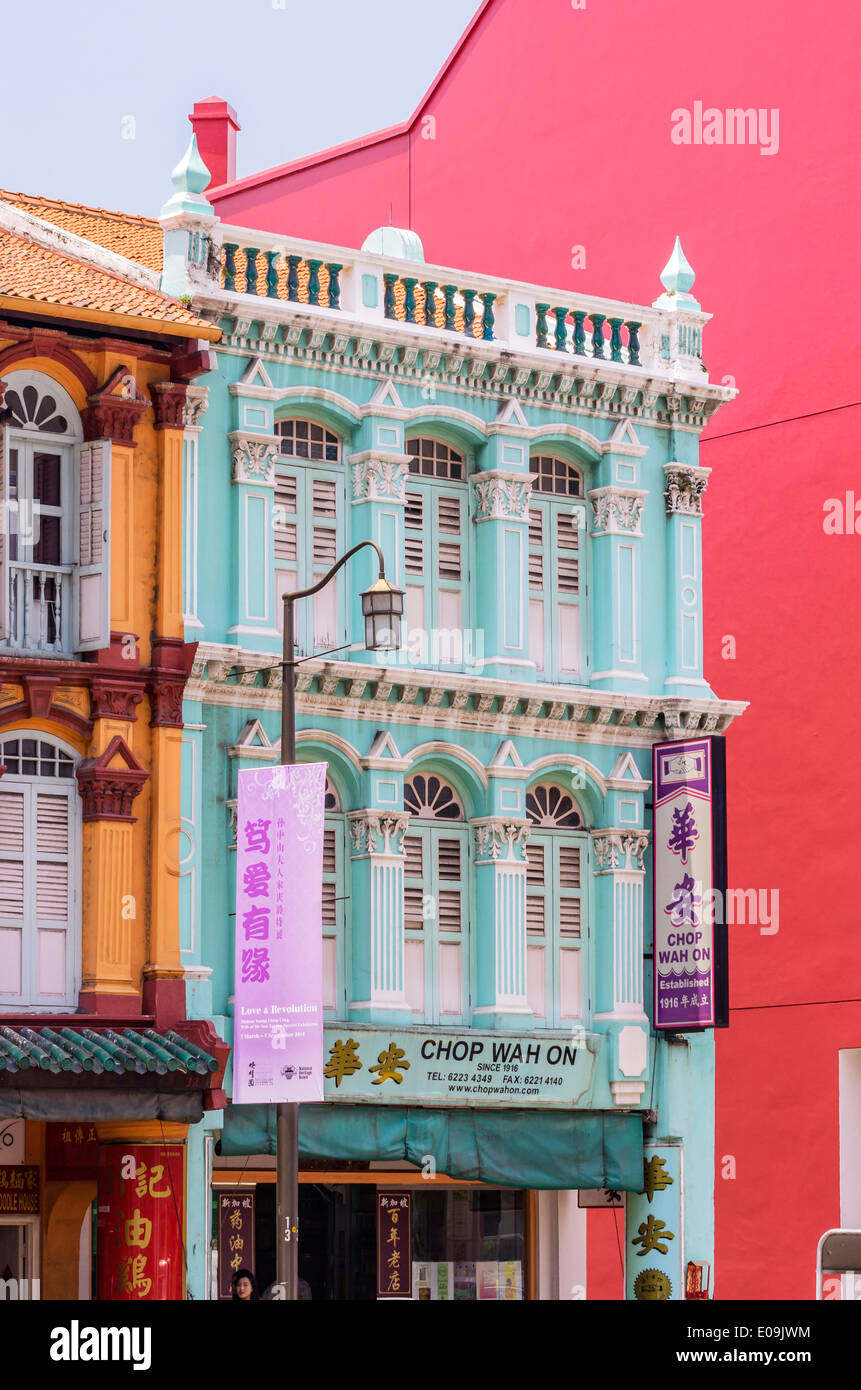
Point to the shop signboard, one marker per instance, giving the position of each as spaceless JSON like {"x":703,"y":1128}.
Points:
{"x":432,"y":1067}
{"x":394,"y":1244}
{"x":691,"y":989}
{"x":71,"y":1151}
{"x":141,"y":1200}
{"x":19,"y":1189}
{"x":654,"y":1234}
{"x":235,"y":1236}
{"x":278,"y":1008}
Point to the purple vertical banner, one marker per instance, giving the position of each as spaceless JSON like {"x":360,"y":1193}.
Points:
{"x":689,"y":883}
{"x":278,"y":991}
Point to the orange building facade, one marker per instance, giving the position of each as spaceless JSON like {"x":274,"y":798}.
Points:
{"x":100,"y":1072}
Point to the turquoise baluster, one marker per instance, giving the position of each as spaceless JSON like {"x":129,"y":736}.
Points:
{"x":230,"y":250}
{"x":334,"y":285}
{"x":251,"y":254}
{"x":409,"y":283}
{"x":561,"y":337}
{"x":541,"y":325}
{"x":633,"y":343}
{"x":389,"y":300}
{"x":429,"y":287}
{"x":468,"y":312}
{"x":579,"y":333}
{"x":597,"y":334}
{"x":487,"y":318}
{"x":293,"y":263}
{"x":450,"y":291}
{"x":616,"y":339}
{"x":314,"y":281}
{"x":272,"y":274}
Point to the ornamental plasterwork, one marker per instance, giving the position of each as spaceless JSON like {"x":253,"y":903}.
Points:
{"x":373,"y":832}
{"x":500,"y":839}
{"x":619,"y":851}
{"x":254,"y":459}
{"x":194,"y":408}
{"x":379,"y":477}
{"x":501,"y":495}
{"x":685,"y":489}
{"x":616,"y":511}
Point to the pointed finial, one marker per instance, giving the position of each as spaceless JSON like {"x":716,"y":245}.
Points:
{"x":191,"y":174}
{"x":678,"y":274}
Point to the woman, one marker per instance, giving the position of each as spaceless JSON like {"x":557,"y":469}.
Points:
{"x":245,"y":1286}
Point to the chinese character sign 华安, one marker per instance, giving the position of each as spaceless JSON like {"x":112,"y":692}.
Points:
{"x":278,"y":1009}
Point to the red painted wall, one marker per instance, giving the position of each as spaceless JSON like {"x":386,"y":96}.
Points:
{"x":552,"y":130}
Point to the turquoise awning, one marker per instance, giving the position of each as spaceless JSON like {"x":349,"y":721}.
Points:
{"x":557,"y":1149}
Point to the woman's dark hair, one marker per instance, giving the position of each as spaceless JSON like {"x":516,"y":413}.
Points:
{"x":245,"y":1274}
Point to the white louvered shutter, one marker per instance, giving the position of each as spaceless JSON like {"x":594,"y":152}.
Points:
{"x":4,"y":532}
{"x":93,"y":546}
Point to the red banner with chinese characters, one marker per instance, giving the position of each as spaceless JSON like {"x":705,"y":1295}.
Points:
{"x":235,"y":1236}
{"x":141,"y":1219}
{"x":71,"y":1151}
{"x":394,"y":1245}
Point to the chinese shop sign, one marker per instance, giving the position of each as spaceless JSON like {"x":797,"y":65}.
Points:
{"x":235,"y":1236}
{"x":394,"y":1245}
{"x":653,"y":1228}
{"x":471,"y":1068}
{"x":140,"y":1222}
{"x":278,"y":1009}
{"x":690,"y":884}
{"x":19,"y":1189}
{"x":71,"y":1151}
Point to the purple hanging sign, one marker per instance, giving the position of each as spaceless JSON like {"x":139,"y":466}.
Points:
{"x":690,"y":884}
{"x":278,"y":990}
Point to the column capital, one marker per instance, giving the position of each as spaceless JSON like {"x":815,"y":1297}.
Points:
{"x":196,"y":403}
{"x":500,"y":839}
{"x":254,"y":457}
{"x":686,"y":485}
{"x":617,"y":511}
{"x":378,"y":476}
{"x":168,"y":402}
{"x":501,"y":495}
{"x":109,"y":783}
{"x":375,"y":833}
{"x":619,"y":851}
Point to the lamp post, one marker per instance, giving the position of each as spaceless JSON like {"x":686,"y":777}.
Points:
{"x":382,"y":609}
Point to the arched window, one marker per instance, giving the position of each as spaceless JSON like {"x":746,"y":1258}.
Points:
{"x":436,"y":560}
{"x":54,"y":563}
{"x":39,"y":873}
{"x":557,"y":642}
{"x":309,"y":529}
{"x":436,"y":900}
{"x":556,"y":863}
{"x":334,"y":903}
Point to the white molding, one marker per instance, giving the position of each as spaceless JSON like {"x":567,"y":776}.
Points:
{"x":42,"y":233}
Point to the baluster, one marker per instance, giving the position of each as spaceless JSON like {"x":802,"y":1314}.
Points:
{"x":26,"y":578}
{"x":314,"y":281}
{"x":487,"y":317}
{"x":334,"y":285}
{"x":561,"y":337}
{"x":469,"y":312}
{"x":450,"y":291}
{"x":272,"y":274}
{"x":429,"y":287}
{"x":541,"y":325}
{"x":43,"y":611}
{"x":616,"y":339}
{"x":633,"y":343}
{"x":293,"y":277}
{"x":13,"y":608}
{"x":409,"y":283}
{"x":58,"y":611}
{"x":597,"y":334}
{"x":579,"y":333}
{"x":251,"y":254}
{"x":230,"y":250}
{"x":389,"y":299}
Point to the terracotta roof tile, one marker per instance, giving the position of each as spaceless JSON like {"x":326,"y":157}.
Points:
{"x":137,"y":238}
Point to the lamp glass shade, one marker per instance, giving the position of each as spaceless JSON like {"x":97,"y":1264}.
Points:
{"x":382,"y":608}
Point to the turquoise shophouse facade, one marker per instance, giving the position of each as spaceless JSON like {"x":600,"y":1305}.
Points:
{"x":528,"y":461}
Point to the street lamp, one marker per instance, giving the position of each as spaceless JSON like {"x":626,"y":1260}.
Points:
{"x":382,"y":608}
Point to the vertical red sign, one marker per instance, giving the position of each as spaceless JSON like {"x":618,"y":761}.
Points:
{"x":140,"y":1223}
{"x":235,"y":1237}
{"x":394,"y":1245}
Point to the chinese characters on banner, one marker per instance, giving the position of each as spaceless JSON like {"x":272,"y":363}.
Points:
{"x":653,"y":1228}
{"x":71,"y":1151}
{"x":690,"y":884}
{"x":140,"y":1222}
{"x":19,"y":1189}
{"x":394,"y":1245}
{"x":278,"y":1009}
{"x":235,"y":1236}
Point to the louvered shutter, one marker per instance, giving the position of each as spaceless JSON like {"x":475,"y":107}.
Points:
{"x":93,"y":544}
{"x":4,"y":533}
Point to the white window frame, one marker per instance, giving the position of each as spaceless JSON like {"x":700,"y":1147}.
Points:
{"x":549,"y":598}
{"x":427,"y":651}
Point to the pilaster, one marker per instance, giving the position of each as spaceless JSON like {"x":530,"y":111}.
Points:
{"x":500,"y":878}
{"x":617,"y":533}
{"x":168,"y":399}
{"x":620,"y":874}
{"x":253,"y":459}
{"x":685,"y":488}
{"x":377,"y":494}
{"x":377,"y":855}
{"x":501,"y":516}
{"x":196,"y":401}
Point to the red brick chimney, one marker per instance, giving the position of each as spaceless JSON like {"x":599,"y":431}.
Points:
{"x":215,"y":125}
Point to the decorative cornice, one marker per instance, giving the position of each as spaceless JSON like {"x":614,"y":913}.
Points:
{"x":168,"y":401}
{"x":254,"y":457}
{"x":617,"y":511}
{"x":616,"y":850}
{"x":166,"y":695}
{"x":113,"y":411}
{"x":500,"y":495}
{"x":115,"y":699}
{"x":375,"y":832}
{"x":379,"y":476}
{"x":497,"y":838}
{"x":685,"y":488}
{"x":108,"y":791}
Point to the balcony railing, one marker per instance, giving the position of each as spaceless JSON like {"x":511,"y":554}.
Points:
{"x":369,"y":288}
{"x":40,"y":608}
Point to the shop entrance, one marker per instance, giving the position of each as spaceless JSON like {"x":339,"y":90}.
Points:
{"x":19,"y":1258}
